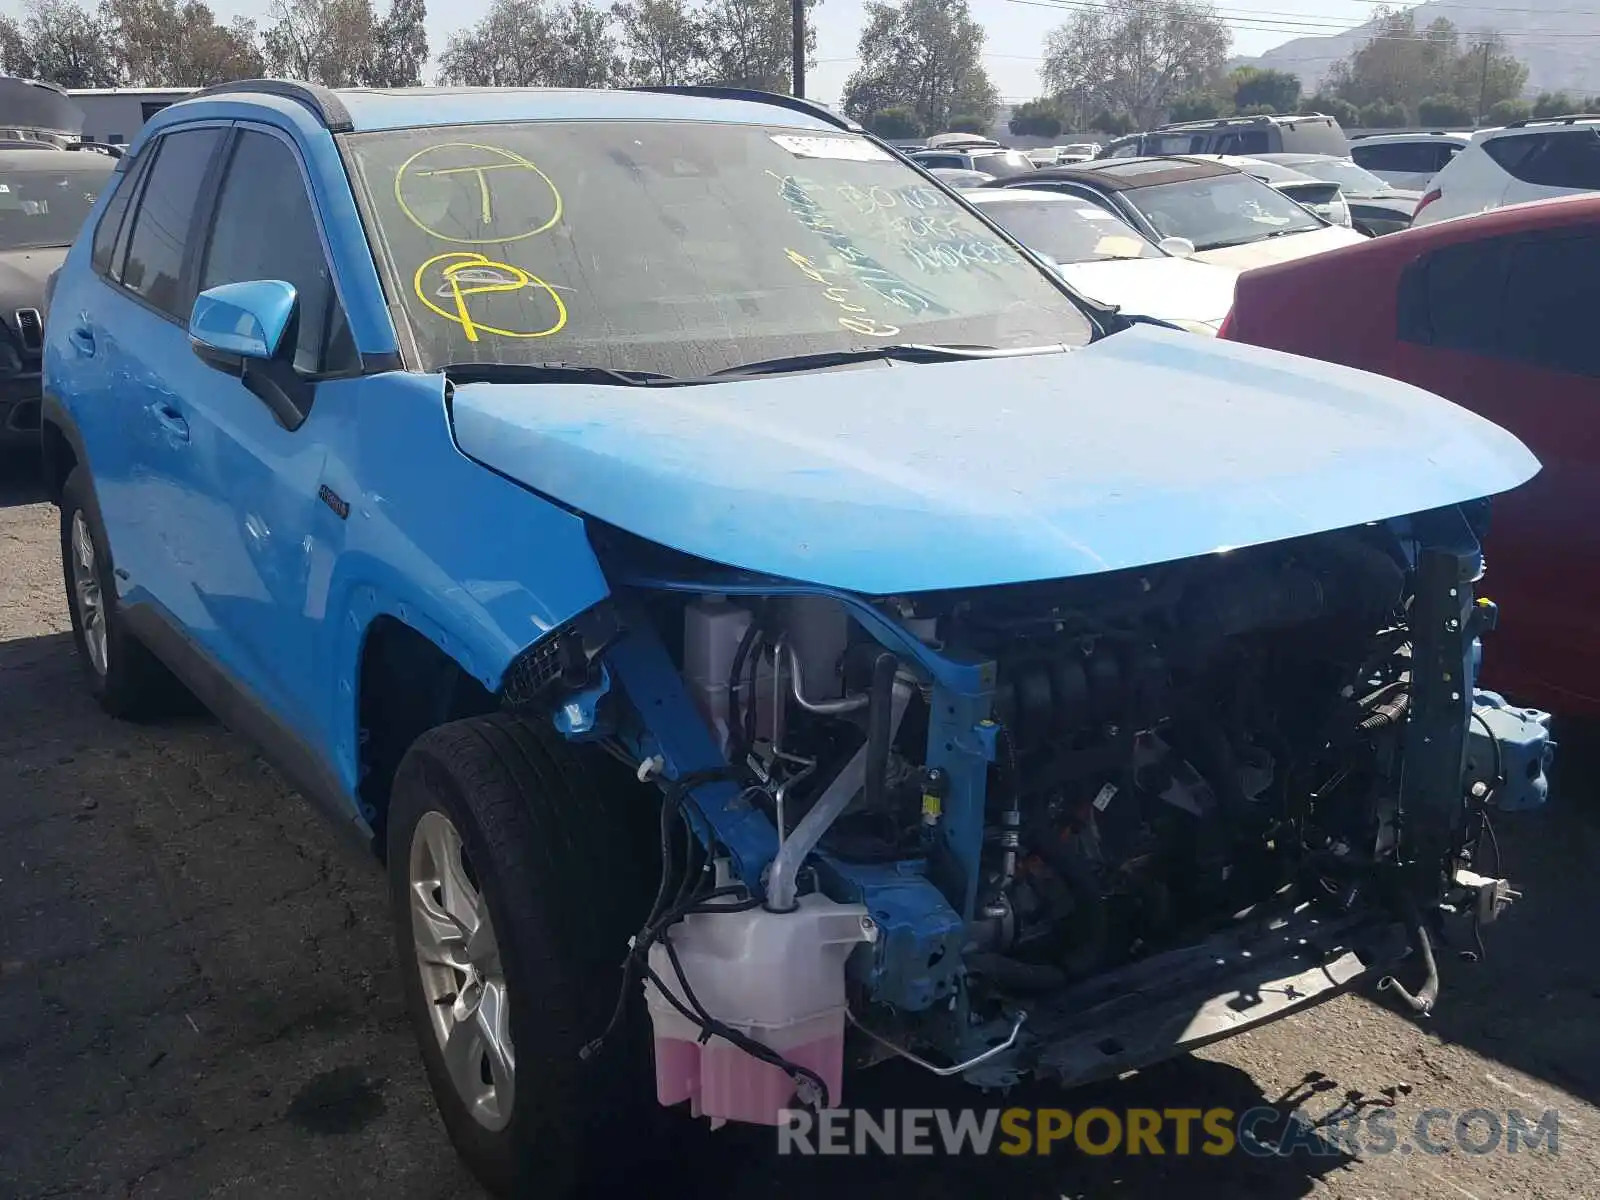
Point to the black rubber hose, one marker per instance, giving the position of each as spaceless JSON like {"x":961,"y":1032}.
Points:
{"x":1421,"y":1003}
{"x":880,"y":713}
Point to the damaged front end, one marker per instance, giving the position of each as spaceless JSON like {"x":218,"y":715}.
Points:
{"x":1062,"y":829}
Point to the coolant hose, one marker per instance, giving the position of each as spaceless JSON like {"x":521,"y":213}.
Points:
{"x":890,"y":702}
{"x":879,"y":732}
{"x":1421,"y":1003}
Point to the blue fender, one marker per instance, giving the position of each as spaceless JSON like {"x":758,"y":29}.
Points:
{"x":478,"y":565}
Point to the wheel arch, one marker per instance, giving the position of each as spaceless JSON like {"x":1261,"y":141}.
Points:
{"x":61,"y":446}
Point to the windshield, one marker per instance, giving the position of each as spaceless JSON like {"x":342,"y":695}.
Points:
{"x":45,"y":207}
{"x":1069,"y":231}
{"x":1353,"y":180}
{"x":684,"y":248}
{"x":1221,"y":210}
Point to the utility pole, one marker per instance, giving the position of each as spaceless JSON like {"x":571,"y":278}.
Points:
{"x":1483,"y":87}
{"x":798,"y":69}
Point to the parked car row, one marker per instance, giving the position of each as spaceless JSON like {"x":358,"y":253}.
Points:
{"x":1495,"y":312}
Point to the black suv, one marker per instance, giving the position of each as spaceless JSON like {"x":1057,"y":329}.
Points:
{"x":1307,"y":133}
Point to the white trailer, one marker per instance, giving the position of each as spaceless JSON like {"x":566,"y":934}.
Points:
{"x":114,"y":115}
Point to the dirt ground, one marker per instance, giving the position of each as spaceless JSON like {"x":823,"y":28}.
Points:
{"x":198,"y":998}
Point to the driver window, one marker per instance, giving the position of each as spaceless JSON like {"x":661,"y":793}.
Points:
{"x":265,"y":228}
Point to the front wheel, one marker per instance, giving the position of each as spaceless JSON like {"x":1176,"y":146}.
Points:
{"x":516,"y":876}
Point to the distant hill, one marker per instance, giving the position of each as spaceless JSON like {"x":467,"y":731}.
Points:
{"x":1560,"y":41}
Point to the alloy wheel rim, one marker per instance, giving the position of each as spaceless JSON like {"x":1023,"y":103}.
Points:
{"x":463,"y":977}
{"x":88,"y":597}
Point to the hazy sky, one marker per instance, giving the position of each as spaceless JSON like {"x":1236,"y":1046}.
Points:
{"x":1016,"y":28}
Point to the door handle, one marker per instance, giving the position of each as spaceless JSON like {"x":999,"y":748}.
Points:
{"x":82,"y":339}
{"x":171,"y":420}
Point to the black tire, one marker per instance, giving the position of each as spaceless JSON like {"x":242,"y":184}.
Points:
{"x":566,"y":859}
{"x":134,"y":685}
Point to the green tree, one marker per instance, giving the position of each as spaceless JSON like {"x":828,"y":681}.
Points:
{"x":160,"y":43}
{"x":401,"y":46}
{"x":521,"y":43}
{"x":1136,"y":56}
{"x":1445,"y":110}
{"x":62,"y":42}
{"x":1554,"y":104}
{"x":1273,"y":91}
{"x":1196,"y":106}
{"x":897,"y":121}
{"x":750,"y":43}
{"x":1037,"y":118}
{"x":1385,"y":114}
{"x":925,"y":55}
{"x":324,"y":41}
{"x":969,"y":123}
{"x":1342,"y":111}
{"x":1508,"y":111}
{"x":1114,"y":123}
{"x":1403,"y":64}
{"x":664,"y":42}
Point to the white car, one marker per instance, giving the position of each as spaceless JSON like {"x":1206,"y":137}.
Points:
{"x":1104,"y":258}
{"x":1406,"y":160}
{"x":1530,"y":160}
{"x":1230,"y":218}
{"x":1322,"y":196}
{"x":1076,"y":152}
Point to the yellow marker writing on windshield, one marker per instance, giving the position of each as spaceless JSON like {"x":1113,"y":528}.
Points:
{"x":488,"y":159}
{"x":471,"y":274}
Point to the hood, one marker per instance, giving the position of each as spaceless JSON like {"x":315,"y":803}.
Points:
{"x":23,"y":274}
{"x":1147,"y":446}
{"x":1282,"y":249}
{"x":1169,"y":289}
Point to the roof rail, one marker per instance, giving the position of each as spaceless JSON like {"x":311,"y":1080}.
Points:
{"x":755,"y":96}
{"x":1564,"y":119}
{"x":324,"y":104}
{"x":1258,"y":119}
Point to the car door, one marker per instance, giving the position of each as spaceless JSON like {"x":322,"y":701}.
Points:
{"x":125,"y":337}
{"x":266,"y":530}
{"x":1504,"y":327}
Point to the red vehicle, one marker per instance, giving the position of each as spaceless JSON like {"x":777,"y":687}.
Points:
{"x":1499,"y":312}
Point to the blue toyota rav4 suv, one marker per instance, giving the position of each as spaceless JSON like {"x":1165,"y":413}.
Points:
{"x":745,"y":599}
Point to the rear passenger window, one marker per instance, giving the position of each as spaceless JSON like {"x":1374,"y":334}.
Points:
{"x":265,"y":228}
{"x":1523,"y":299}
{"x":1451,"y":299}
{"x":1552,"y":296}
{"x":161,"y":226}
{"x":1421,"y":158}
{"x":105,"y":233}
{"x":1568,"y":158}
{"x":1246,"y":141}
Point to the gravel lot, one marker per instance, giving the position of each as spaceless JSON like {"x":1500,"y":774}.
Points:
{"x":197,"y":996}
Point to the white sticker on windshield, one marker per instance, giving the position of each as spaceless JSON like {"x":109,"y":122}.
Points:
{"x":4,"y":188}
{"x":852,"y":149}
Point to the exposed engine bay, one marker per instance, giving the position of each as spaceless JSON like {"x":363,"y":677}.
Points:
{"x":1028,"y":792}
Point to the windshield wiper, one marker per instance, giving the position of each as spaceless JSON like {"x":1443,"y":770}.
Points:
{"x":553,"y":372}
{"x":902,"y":352}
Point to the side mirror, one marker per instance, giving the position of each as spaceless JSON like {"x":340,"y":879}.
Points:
{"x":237,"y":322}
{"x":1178,"y":247}
{"x":243,"y":330}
